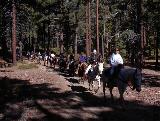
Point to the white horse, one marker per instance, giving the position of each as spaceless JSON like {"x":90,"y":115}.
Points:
{"x":93,"y":73}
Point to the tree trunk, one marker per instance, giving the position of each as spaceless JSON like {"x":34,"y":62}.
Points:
{"x":61,"y":43}
{"x":49,"y":37}
{"x":97,"y":24}
{"x":87,"y":26}
{"x":156,"y":54}
{"x":14,"y":33}
{"x":44,"y":36}
{"x":75,"y":46}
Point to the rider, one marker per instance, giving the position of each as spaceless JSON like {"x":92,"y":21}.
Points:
{"x":91,"y":71}
{"x":82,"y":58}
{"x":94,"y":55}
{"x":71,"y":59}
{"x":116,"y":62}
{"x":91,"y":66}
{"x":52,"y":55}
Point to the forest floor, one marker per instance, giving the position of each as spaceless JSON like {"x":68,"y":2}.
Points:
{"x":45,"y":94}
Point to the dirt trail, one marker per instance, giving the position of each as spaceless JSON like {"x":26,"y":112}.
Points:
{"x":44,"y":94}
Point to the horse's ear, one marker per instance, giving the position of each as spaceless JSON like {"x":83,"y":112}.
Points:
{"x":139,"y":69}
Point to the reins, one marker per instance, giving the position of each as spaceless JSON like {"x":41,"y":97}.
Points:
{"x":127,"y":84}
{"x":132,"y":88}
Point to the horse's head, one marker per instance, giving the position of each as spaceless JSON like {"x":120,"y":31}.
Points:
{"x":84,"y":65}
{"x":137,"y":80}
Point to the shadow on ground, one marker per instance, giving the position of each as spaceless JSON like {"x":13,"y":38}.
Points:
{"x":151,"y":80}
{"x":152,"y":66}
{"x":21,"y":100}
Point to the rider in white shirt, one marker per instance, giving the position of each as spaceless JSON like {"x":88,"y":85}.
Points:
{"x":115,"y":60}
{"x":52,"y":55}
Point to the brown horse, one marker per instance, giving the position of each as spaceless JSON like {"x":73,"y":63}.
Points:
{"x":81,"y":71}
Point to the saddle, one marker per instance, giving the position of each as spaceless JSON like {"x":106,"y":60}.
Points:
{"x":115,"y":74}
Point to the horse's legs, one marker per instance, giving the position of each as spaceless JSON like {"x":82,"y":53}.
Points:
{"x":110,"y":89}
{"x":44,"y":62}
{"x":82,"y":78}
{"x":54,"y":63}
{"x":99,"y":82}
{"x":121,"y":91}
{"x":93,"y":83}
{"x":90,"y":84}
{"x":104,"y":89}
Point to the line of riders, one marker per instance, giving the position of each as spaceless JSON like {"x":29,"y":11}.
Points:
{"x":85,"y":67}
{"x":92,"y":69}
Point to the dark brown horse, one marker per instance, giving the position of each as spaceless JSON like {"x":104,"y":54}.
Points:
{"x":81,"y":71}
{"x":126,"y":77}
{"x":73,"y":65}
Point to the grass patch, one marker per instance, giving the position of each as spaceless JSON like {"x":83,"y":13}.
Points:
{"x":27,"y":66}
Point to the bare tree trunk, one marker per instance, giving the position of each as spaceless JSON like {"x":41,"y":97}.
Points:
{"x":57,"y":39}
{"x":103,"y":38}
{"x":75,"y":47}
{"x":156,"y":54}
{"x":87,"y":26}
{"x":14,"y":33}
{"x":44,"y":36}
{"x":76,"y":35}
{"x":142,"y":33}
{"x":49,"y":37}
{"x":97,"y":25}
{"x":61,"y":43}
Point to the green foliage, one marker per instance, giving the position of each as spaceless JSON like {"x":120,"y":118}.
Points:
{"x":56,"y":50}
{"x":45,"y":2}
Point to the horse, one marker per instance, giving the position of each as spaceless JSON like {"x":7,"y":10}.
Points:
{"x":126,"y":77}
{"x":73,"y":65}
{"x":53,"y":61}
{"x":81,"y":71}
{"x":94,"y":75}
{"x":62,"y":64}
{"x":46,"y":59}
{"x":39,"y":58}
